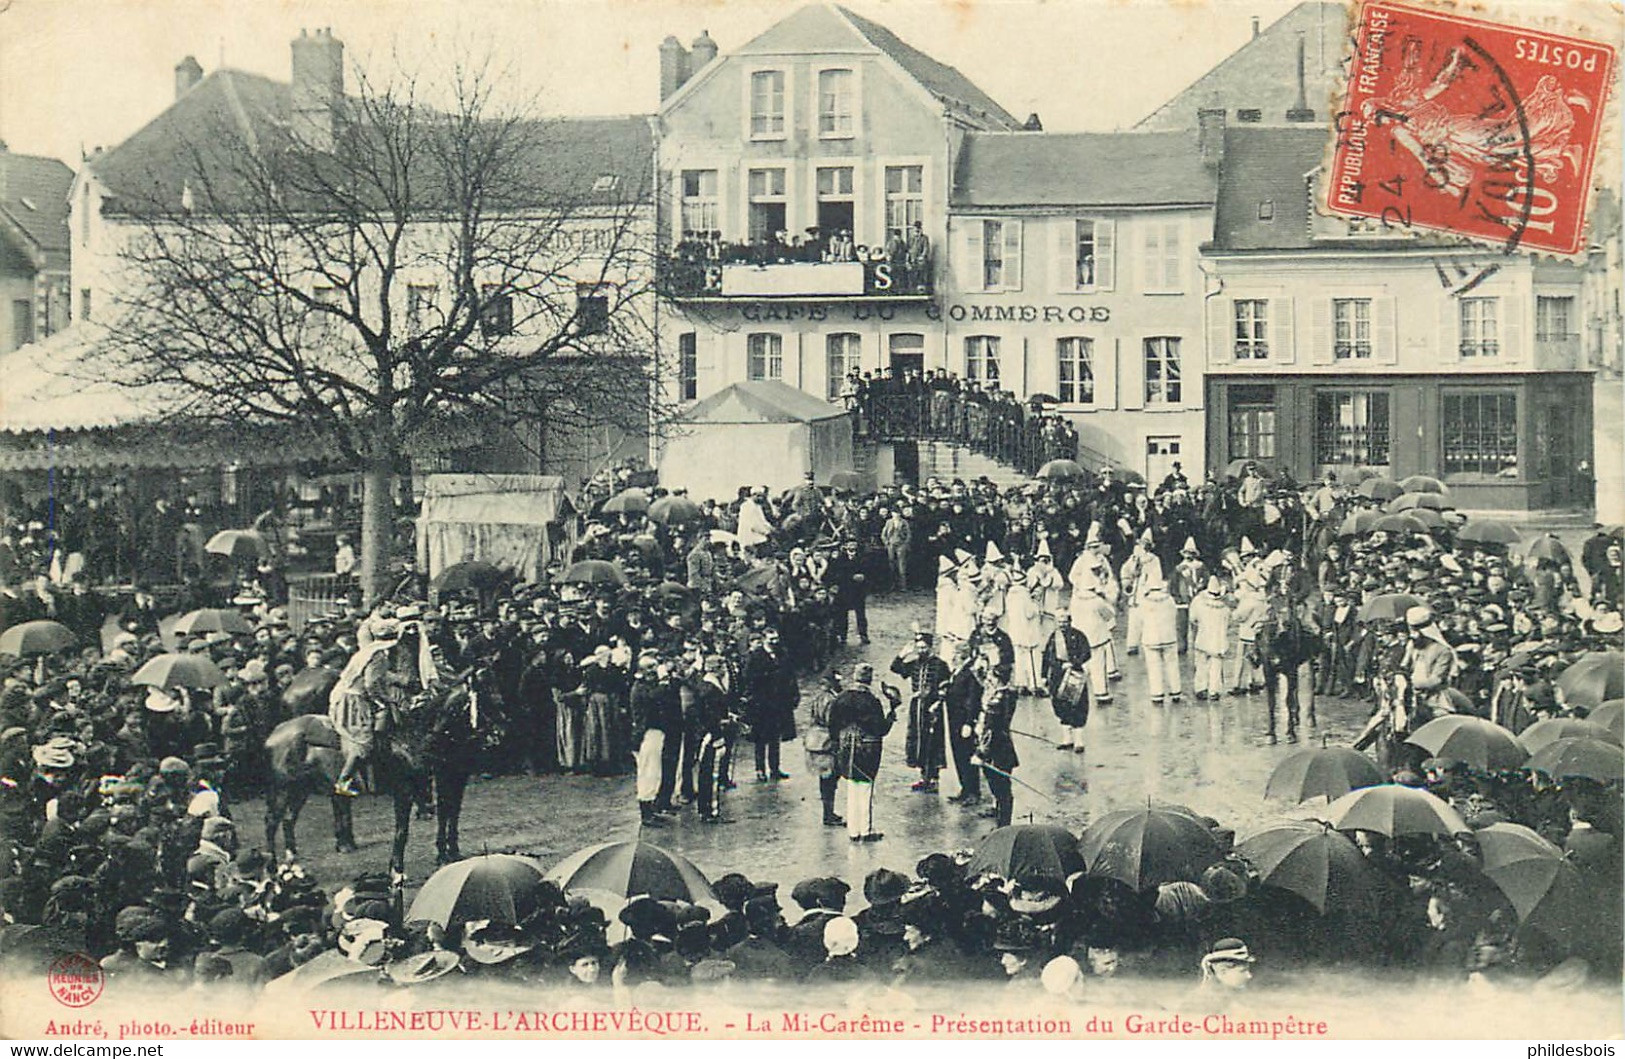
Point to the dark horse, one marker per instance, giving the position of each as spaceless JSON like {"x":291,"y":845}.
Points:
{"x":1285,"y":643}
{"x":432,"y":741}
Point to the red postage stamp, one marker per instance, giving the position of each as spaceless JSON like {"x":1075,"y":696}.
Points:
{"x":1481,"y":129}
{"x":75,"y":980}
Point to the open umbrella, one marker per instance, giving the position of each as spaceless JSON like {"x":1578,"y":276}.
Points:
{"x":1418,"y":502}
{"x":501,"y":887}
{"x":1393,"y":810}
{"x":238,"y":544}
{"x":627,"y":502}
{"x":675,"y":511}
{"x":627,"y":869}
{"x":1588,"y":759}
{"x":1404,"y":522}
{"x":1148,"y":847}
{"x":475,"y":574}
{"x":1428,"y":517}
{"x":1423,"y":483}
{"x":1028,"y":851}
{"x":1472,"y":741}
{"x":1062,"y":469}
{"x":1536,"y":736}
{"x":213,"y":619}
{"x":593,"y":572}
{"x":326,"y":970}
{"x":1379,"y":489}
{"x":849,"y":482}
{"x":1546,"y":890}
{"x":1487,"y":531}
{"x":41,"y":637}
{"x":1310,"y":859}
{"x":1388,"y":606}
{"x":1322,"y":772}
{"x":1611,"y":715}
{"x":1595,"y":678}
{"x":1548,"y":547}
{"x":673,"y":590}
{"x":179,"y":671}
{"x":1358,"y":523}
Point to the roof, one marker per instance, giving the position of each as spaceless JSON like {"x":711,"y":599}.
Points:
{"x":495,"y":499}
{"x":765,"y":401}
{"x":569,"y":155}
{"x":49,"y":386}
{"x":34,"y":206}
{"x":1081,"y":169}
{"x":1263,"y":73}
{"x":1266,"y":165}
{"x":941,"y":80}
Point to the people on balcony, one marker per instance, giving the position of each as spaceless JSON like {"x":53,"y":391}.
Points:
{"x":694,"y":266}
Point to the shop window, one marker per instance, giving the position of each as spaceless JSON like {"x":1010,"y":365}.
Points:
{"x":1480,"y":434}
{"x":1352,"y":428}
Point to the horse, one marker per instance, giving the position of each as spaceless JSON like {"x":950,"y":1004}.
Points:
{"x":1284,"y":645}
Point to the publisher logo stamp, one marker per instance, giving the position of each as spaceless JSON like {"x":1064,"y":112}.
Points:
{"x":1481,"y":129}
{"x":75,"y":980}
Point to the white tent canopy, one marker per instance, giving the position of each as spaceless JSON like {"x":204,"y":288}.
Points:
{"x":520,"y":522}
{"x":756,"y":433}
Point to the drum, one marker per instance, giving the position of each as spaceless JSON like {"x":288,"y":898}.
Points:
{"x":1071,"y":699}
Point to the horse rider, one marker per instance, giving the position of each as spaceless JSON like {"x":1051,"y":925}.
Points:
{"x":372,"y":686}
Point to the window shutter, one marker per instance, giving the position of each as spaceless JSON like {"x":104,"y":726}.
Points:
{"x":1012,"y":255}
{"x":1512,"y":324}
{"x":1150,"y":256}
{"x":1384,"y":333}
{"x":1173,"y":262}
{"x":1221,"y":330}
{"x":1281,"y":323}
{"x":1131,"y":374}
{"x":1105,"y":254}
{"x":1320,"y":331}
{"x":970,"y":257}
{"x":1066,"y":256}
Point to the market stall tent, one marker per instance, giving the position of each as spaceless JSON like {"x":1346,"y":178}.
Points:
{"x":520,"y":522}
{"x":756,"y":433}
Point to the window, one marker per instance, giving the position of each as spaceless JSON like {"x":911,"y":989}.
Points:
{"x":688,"y":367}
{"x":1351,"y":428}
{"x":1478,"y":328}
{"x":835,"y":210}
{"x":1251,"y":115}
{"x":982,"y":358}
{"x":767,"y":103}
{"x":1252,"y":423}
{"x":1266,"y":210}
{"x":1075,"y":370}
{"x":699,"y":207}
{"x":1480,"y":433}
{"x":84,"y":303}
{"x":1001,"y":255}
{"x":420,"y":299}
{"x":835,"y":103}
{"x":1351,"y":329}
{"x":1087,"y":252}
{"x":22,"y":323}
{"x":905,"y":198}
{"x":1554,"y":318}
{"x":1252,"y":329}
{"x":765,"y":357}
{"x":842,"y":353}
{"x":1163,"y":382}
{"x":592,"y":308}
{"x":496,"y":311}
{"x":767,"y":204}
{"x":1162,"y":269}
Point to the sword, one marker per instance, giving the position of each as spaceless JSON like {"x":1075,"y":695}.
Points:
{"x":1012,"y":778}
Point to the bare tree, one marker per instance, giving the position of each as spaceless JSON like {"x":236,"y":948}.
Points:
{"x":424,"y":269}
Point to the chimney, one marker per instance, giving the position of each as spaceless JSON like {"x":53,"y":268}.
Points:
{"x":1255,"y":27}
{"x":1210,"y":135}
{"x":187,"y":74}
{"x":1032,"y":124}
{"x":318,"y":87}
{"x":673,"y":66}
{"x":703,"y":50}
{"x":1301,"y":112}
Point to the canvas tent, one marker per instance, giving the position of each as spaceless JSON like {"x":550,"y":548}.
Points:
{"x":755,"y":433}
{"x":520,"y":522}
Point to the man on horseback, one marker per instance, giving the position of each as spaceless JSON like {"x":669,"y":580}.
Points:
{"x":375,"y":685}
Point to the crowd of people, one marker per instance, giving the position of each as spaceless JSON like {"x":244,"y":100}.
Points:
{"x":682,"y":633}
{"x":695,"y":266}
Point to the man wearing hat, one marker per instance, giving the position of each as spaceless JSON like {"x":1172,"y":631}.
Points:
{"x":845,"y":574}
{"x":1140,"y":571}
{"x":859,"y":724}
{"x":1189,"y":577}
{"x":1045,"y":583}
{"x":924,"y":747}
{"x":1228,"y":966}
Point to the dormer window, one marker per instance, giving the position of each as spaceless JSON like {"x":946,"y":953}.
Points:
{"x":1266,"y":210}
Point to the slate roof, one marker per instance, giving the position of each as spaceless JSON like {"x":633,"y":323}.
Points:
{"x":764,"y":401}
{"x":941,"y":80}
{"x":34,"y":207}
{"x":1266,"y":165}
{"x":998,"y":169}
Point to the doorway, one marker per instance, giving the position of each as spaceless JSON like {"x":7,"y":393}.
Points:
{"x":906,"y":353}
{"x":1161,"y":453}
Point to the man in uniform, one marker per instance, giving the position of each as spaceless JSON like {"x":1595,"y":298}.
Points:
{"x":927,"y":676}
{"x":859,"y":724}
{"x":995,"y":750}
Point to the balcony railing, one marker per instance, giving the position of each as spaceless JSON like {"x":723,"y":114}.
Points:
{"x":710,"y":269}
{"x":997,"y":428}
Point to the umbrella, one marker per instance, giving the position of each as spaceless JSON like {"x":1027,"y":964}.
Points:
{"x":1389,"y":606}
{"x":1393,"y":810}
{"x":1431,"y":519}
{"x":1544,"y":888}
{"x":179,"y":671}
{"x":593,"y":572}
{"x":1418,"y":502}
{"x":1129,"y":476}
{"x":1404,"y":522}
{"x":1487,"y":531}
{"x":627,"y":502}
{"x":501,"y":887}
{"x":1611,"y":715}
{"x":1235,"y":468}
{"x":1322,"y":772}
{"x":757,"y":577}
{"x":675,"y":511}
{"x":1028,"y":850}
{"x":1379,"y":489}
{"x":1587,"y":759}
{"x":324,"y":969}
{"x":1595,"y":678}
{"x":237,"y":544}
{"x":476,"y":574}
{"x":1320,"y":865}
{"x":37,"y":638}
{"x":627,"y":869}
{"x":1358,"y":523}
{"x":673,"y":590}
{"x":1472,"y":741}
{"x":849,"y":482}
{"x":1423,"y":483}
{"x":1062,"y":469}
{"x":212,"y":619}
{"x":1548,"y":547}
{"x":1148,"y":847}
{"x":1538,"y":735}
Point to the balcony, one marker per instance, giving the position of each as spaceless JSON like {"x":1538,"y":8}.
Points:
{"x":714,"y":271}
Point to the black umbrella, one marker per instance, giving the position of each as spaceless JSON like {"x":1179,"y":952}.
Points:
{"x":1028,"y":851}
{"x":1148,"y":847}
{"x":475,"y":574}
